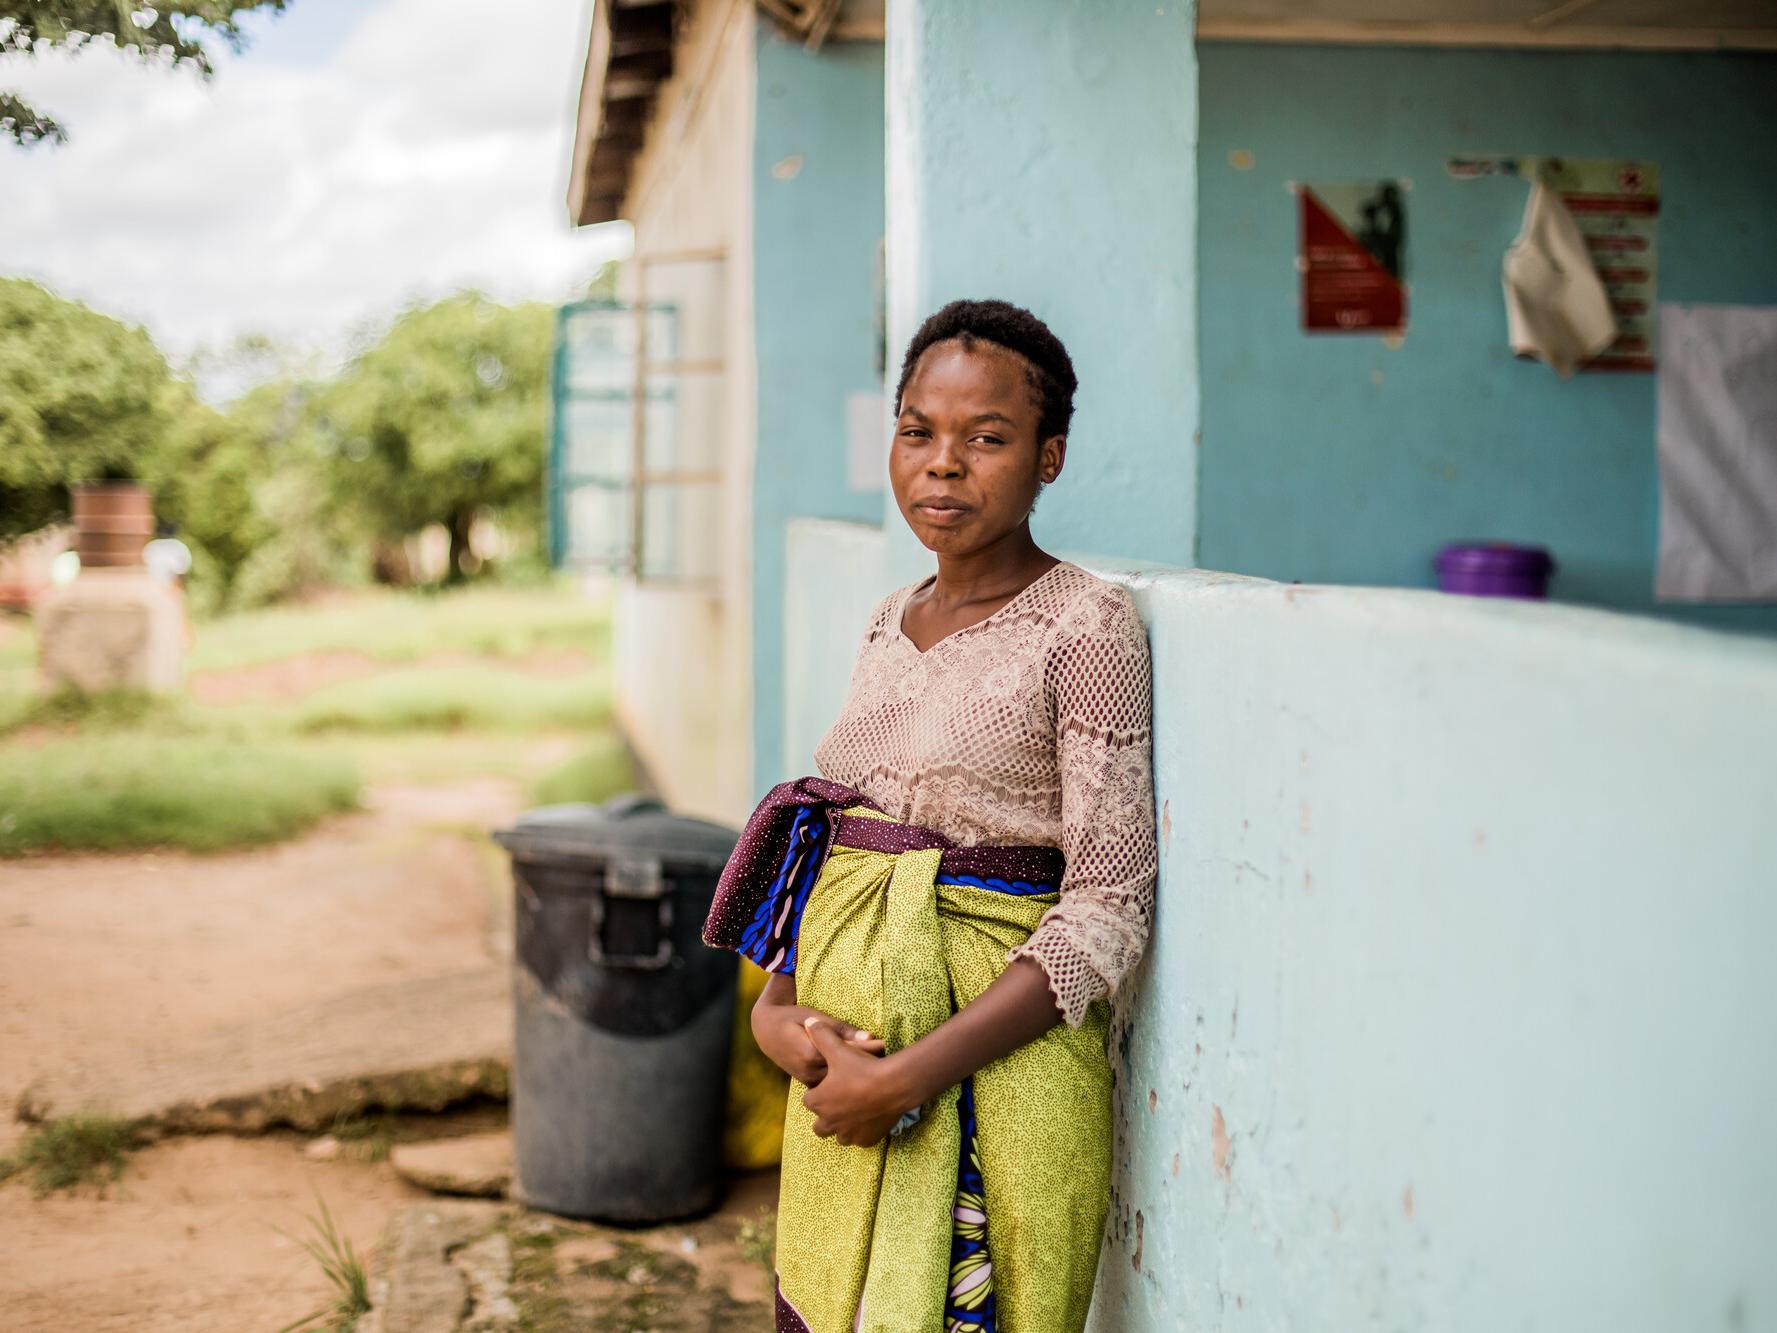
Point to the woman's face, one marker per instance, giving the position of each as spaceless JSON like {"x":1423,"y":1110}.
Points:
{"x":966,"y":460}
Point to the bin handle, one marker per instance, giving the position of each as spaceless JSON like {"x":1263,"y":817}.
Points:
{"x":633,"y":879}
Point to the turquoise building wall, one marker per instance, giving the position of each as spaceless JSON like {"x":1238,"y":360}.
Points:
{"x":1456,"y":1010}
{"x":1336,"y":459}
{"x":817,"y":229}
{"x":1042,"y":154}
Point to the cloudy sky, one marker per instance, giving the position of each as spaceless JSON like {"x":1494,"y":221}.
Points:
{"x":358,"y":155}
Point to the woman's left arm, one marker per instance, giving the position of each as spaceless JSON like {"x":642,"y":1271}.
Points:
{"x":1101,"y":683}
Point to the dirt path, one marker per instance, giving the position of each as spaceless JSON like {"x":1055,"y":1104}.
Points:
{"x":186,"y":1242}
{"x":106,"y":957}
{"x":103,"y":956}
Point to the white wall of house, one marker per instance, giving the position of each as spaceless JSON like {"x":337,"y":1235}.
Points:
{"x":681,"y":654}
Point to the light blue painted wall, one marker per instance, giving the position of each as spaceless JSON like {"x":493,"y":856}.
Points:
{"x":821,"y":635}
{"x":1458,"y":1014}
{"x":1447,"y":905}
{"x":816,"y":232}
{"x":1334,"y":459}
{"x":1041,"y":153}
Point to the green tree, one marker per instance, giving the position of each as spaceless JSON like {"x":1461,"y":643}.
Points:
{"x":204,"y":476}
{"x":250,"y":493}
{"x":443,"y":418}
{"x":169,"y":33}
{"x":82,"y":398}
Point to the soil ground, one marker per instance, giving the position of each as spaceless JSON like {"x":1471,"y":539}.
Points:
{"x":111,"y":959}
{"x":105,"y":957}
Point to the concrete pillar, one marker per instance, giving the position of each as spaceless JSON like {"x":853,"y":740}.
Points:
{"x":111,"y":629}
{"x":1044,"y":152}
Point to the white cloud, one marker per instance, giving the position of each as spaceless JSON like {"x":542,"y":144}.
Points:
{"x":424,"y":152}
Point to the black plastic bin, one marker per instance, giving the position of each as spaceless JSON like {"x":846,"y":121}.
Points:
{"x":622,"y":1015}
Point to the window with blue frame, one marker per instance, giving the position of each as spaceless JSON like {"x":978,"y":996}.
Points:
{"x":635,"y":458}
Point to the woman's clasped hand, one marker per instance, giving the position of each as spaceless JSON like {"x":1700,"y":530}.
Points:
{"x":861,"y":1097}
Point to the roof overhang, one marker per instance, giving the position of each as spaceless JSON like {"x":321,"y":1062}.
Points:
{"x":628,"y":57}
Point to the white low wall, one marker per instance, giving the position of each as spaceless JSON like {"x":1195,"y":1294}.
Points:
{"x":1459,"y":1013}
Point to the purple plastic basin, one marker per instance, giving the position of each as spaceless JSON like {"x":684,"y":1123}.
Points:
{"x":1495,"y":569}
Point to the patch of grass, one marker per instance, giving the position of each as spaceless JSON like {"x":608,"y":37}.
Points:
{"x":345,"y":1273}
{"x":536,"y":1285}
{"x":757,"y":1239}
{"x":421,"y":699}
{"x":74,"y":710}
{"x":365,"y":1138}
{"x":392,"y":626}
{"x":73,"y":1150}
{"x":18,"y":640}
{"x":594,"y":775}
{"x":195,"y":793}
{"x":653,"y":1287}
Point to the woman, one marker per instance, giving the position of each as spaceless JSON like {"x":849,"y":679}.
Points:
{"x":945,"y":909}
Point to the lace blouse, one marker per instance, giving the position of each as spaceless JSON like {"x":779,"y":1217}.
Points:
{"x":1031,"y":726}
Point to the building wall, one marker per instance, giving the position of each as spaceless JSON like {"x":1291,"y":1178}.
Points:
{"x":1336,"y":459}
{"x":1458,"y":1011}
{"x":681,"y":656}
{"x":817,"y":165}
{"x":821,"y":632}
{"x":1041,"y":153}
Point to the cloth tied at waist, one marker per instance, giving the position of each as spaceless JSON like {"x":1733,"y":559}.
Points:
{"x":765,"y":883}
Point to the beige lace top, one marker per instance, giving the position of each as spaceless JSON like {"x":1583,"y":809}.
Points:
{"x":1031,"y":726}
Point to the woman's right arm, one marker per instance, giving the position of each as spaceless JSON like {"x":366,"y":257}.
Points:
{"x":779,"y":1028}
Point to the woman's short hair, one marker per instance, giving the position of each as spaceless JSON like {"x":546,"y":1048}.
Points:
{"x":1048,"y":367}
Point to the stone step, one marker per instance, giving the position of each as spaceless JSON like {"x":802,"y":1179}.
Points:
{"x":475,"y":1166}
{"x":422,"y":1044}
{"x":442,"y":1267}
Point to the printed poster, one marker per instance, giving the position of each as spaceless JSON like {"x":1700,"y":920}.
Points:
{"x":1616,"y":203}
{"x":1353,"y":257}
{"x":1617,"y":207}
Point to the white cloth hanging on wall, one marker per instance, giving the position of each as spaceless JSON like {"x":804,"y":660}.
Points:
{"x":1557,"y":309}
{"x":1718,"y":453}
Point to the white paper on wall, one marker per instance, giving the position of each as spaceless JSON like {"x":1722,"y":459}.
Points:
{"x":1718,"y":453}
{"x":867,"y":440}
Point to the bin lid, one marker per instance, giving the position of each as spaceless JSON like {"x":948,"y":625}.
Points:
{"x":627,"y":825}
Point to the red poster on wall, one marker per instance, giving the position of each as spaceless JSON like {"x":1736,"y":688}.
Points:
{"x":1353,"y":257}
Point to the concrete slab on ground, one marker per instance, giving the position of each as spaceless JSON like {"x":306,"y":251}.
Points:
{"x":474,"y":1165}
{"x":419,"y":1044}
{"x":459,"y":1267}
{"x":441,"y":1267}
